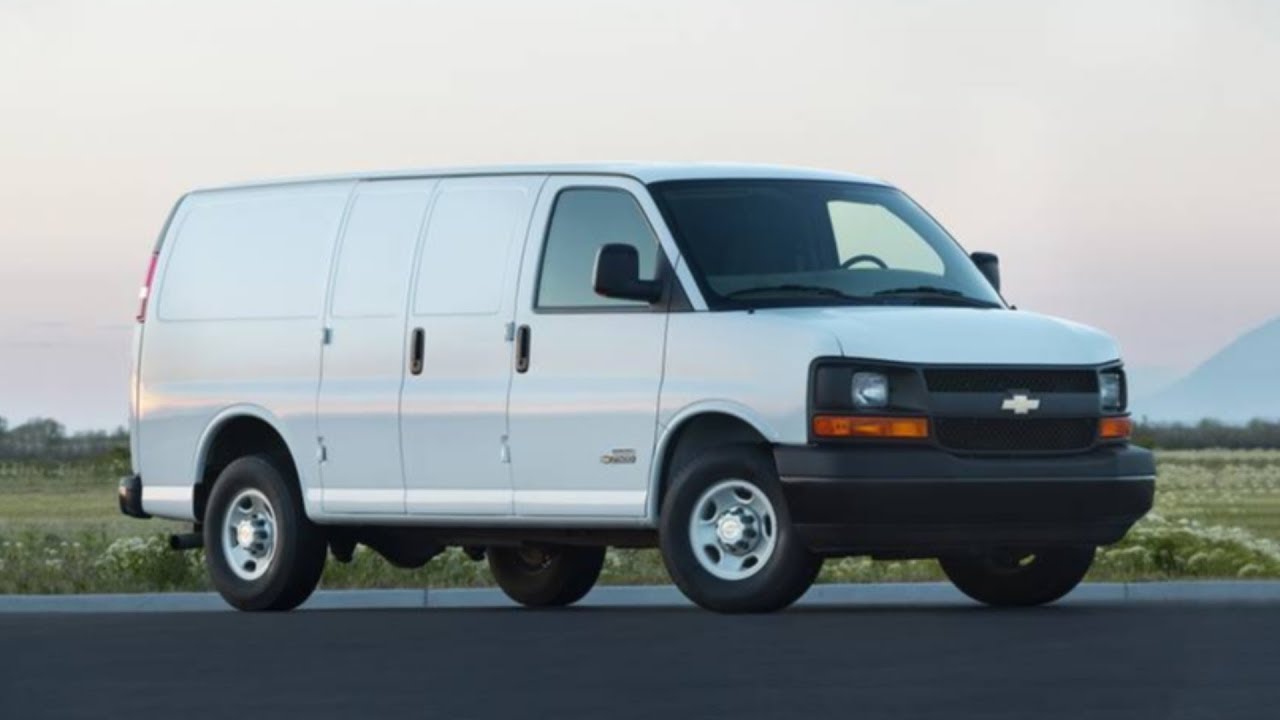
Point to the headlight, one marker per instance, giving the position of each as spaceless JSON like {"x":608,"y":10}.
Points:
{"x":1111,"y":388}
{"x":870,"y":390}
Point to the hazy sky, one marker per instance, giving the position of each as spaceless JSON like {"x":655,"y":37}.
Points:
{"x":1120,"y":156}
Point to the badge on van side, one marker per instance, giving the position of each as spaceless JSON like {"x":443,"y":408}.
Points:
{"x":619,"y":456}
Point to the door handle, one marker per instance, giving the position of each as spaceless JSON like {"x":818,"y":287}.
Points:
{"x":523,"y":338}
{"x":416,"y":348}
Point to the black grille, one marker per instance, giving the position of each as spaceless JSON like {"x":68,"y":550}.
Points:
{"x":1016,"y":435}
{"x":948,"y":380}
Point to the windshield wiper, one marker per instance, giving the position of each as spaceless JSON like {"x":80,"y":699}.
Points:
{"x":822,"y":290}
{"x":919,"y":292}
{"x":941,"y":293}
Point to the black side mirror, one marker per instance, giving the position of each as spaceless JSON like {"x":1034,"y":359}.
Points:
{"x":617,"y":275}
{"x":989,"y":265}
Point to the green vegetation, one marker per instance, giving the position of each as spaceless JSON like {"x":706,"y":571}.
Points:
{"x":1217,"y":516}
{"x":46,"y":440}
{"x":1256,"y":434}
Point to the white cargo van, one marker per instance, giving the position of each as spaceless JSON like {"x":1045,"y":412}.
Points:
{"x":751,"y":368}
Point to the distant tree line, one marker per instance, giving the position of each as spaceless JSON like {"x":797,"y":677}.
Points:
{"x":1255,"y":434}
{"x":46,"y":439}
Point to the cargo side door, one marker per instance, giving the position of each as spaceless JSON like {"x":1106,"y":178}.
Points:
{"x":453,"y":408}
{"x":364,"y":348}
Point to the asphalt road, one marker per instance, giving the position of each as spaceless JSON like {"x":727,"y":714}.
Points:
{"x":1094,"y":661}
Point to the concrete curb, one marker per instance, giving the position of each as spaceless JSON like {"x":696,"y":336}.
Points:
{"x":652,"y":596}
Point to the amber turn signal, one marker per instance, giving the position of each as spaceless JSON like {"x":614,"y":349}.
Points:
{"x":841,"y":426}
{"x":1115,"y":428}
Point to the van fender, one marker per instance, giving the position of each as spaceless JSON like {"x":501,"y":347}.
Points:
{"x":312,"y":504}
{"x":668,"y":431}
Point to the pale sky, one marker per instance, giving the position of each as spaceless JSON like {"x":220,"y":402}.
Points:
{"x":1121,"y":157}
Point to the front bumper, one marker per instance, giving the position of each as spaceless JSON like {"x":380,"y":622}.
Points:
{"x":923,"y":502}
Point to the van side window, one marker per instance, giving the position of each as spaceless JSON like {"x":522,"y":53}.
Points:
{"x":583,"y":220}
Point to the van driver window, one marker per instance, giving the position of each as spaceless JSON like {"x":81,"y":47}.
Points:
{"x":582,"y":221}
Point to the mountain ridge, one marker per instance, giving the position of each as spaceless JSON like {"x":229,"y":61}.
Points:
{"x":1239,"y":383}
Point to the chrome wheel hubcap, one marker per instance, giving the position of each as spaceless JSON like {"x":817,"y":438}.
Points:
{"x":733,"y":530}
{"x":249,"y":535}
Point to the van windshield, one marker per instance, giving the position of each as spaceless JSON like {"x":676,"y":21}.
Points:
{"x":773,"y":243}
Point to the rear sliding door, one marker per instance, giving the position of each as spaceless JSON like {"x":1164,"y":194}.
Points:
{"x":365,"y":349}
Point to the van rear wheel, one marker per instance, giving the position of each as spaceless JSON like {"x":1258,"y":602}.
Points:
{"x":262,"y":551}
{"x":726,"y":534}
{"x":1018,"y":578}
{"x":546,"y":575}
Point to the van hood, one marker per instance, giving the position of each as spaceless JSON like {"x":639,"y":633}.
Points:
{"x":956,"y":335}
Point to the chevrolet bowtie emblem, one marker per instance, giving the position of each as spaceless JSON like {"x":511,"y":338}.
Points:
{"x":1020,"y":403}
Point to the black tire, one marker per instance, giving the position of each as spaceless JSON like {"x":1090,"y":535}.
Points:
{"x":1009,"y":579}
{"x":787,"y":573}
{"x":546,"y":576}
{"x":300,"y":547}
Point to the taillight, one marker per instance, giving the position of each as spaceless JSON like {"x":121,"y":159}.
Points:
{"x":145,"y":292}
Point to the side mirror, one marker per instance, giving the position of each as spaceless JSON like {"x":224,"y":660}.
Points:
{"x":617,"y":275}
{"x":989,"y":265}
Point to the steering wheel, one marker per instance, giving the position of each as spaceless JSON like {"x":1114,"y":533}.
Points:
{"x":865,"y":258}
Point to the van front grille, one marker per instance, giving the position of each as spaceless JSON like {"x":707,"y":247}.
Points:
{"x":1016,"y":435}
{"x":989,"y":380}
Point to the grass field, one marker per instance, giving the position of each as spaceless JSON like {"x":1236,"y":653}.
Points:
{"x":1217,"y":515}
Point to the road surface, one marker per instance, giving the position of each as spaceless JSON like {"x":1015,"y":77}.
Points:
{"x":1090,"y":661}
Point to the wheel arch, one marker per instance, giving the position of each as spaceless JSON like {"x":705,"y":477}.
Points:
{"x":233,"y":433}
{"x":695,"y":429}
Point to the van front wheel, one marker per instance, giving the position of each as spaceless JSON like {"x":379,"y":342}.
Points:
{"x":726,"y":535}
{"x":1018,"y":578}
{"x":546,"y":575}
{"x":262,"y":551}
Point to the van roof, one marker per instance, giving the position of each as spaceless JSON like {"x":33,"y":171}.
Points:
{"x":643,"y":172}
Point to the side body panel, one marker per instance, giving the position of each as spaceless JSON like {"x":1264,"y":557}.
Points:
{"x":748,"y":365}
{"x":234,"y":322}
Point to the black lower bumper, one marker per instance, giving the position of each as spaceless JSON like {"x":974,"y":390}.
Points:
{"x":921,"y":502}
{"x":130,"y":493}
